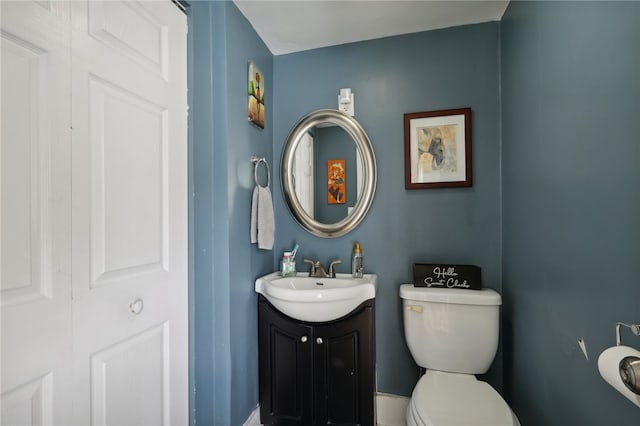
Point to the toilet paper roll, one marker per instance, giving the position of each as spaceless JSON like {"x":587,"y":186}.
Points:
{"x":609,"y":363}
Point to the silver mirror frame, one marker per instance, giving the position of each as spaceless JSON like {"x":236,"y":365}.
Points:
{"x":365,"y":198}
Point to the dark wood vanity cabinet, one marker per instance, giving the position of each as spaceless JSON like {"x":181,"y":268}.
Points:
{"x":316,"y":373}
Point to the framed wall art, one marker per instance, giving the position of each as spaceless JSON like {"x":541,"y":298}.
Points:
{"x":256,"y":112}
{"x":437,"y":149}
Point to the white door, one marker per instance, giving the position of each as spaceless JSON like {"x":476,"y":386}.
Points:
{"x":35,"y":209}
{"x":303,"y":173}
{"x":97,"y":334}
{"x":129,"y":213}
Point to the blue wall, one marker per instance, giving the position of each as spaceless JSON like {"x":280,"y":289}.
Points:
{"x":451,"y":68}
{"x":571,"y":197}
{"x":225,"y":265}
{"x":557,"y":83}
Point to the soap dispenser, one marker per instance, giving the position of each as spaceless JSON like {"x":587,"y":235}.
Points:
{"x":357,"y":266}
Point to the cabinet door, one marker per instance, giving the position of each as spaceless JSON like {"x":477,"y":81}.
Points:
{"x":344,"y":370}
{"x":285,"y":369}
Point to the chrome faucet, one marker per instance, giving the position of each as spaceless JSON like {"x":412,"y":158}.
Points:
{"x":318,"y":271}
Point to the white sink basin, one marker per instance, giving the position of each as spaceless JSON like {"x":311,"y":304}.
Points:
{"x":316,"y":299}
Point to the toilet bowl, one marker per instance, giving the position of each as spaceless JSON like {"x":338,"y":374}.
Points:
{"x":451,"y":399}
{"x":453,"y":334}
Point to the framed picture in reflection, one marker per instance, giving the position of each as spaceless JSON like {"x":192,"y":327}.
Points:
{"x":336,"y":182}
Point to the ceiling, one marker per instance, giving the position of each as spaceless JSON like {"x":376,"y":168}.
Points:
{"x":296,"y":25}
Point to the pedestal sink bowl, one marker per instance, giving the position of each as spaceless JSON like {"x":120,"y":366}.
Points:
{"x":316,"y":299}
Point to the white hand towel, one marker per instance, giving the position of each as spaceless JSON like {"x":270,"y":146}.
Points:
{"x":254,"y":216}
{"x":266,"y":221}
{"x":262,"y":219}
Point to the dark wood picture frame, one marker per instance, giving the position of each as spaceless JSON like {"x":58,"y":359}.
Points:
{"x":437,"y":149}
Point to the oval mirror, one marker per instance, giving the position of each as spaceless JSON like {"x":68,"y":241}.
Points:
{"x":328,"y":173}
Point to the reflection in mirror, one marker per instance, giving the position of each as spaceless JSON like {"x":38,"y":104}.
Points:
{"x":320,"y":145}
{"x":303,"y":174}
{"x":328,"y":173}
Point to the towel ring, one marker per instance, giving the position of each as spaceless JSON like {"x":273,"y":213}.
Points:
{"x":256,"y":162}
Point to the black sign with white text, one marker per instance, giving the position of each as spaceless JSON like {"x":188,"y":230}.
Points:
{"x":447,"y":276}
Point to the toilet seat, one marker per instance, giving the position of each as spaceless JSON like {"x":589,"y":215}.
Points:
{"x":451,"y":399}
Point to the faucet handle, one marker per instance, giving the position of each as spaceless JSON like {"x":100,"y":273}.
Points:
{"x":312,"y":271}
{"x":332,"y":272}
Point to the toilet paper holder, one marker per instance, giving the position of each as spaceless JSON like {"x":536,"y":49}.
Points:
{"x":635,"y":329}
{"x":629,"y":366}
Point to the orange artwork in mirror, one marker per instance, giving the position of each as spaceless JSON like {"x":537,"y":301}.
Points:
{"x":336,"y":182}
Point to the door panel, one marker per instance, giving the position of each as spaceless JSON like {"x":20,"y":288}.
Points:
{"x":129,"y":212}
{"x":30,"y":403}
{"x":35,"y":214}
{"x":118,"y":398}
{"x":129,"y":176}
{"x":339,"y":381}
{"x":97,"y":333}
{"x":26,"y":259}
{"x":344,"y":370}
{"x":148,"y":45}
{"x":285,"y":368}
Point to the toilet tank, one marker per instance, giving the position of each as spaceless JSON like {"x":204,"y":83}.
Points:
{"x":451,"y":330}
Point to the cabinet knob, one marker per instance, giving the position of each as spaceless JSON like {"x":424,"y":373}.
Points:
{"x":303,"y":339}
{"x":319,"y":340}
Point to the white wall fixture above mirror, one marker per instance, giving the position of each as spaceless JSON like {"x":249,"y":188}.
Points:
{"x":334,"y":135}
{"x":347,"y":101}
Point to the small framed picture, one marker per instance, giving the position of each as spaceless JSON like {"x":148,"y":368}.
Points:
{"x":336,"y":182}
{"x":437,"y":149}
{"x":256,"y":108}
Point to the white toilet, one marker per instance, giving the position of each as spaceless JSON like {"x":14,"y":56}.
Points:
{"x":453,"y":333}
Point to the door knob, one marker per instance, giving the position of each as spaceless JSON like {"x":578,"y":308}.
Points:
{"x":136,"y":306}
{"x":319,"y":340}
{"x":303,"y":339}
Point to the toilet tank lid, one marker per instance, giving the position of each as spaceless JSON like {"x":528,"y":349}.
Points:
{"x":486,"y":296}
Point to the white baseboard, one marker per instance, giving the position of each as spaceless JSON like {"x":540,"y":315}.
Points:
{"x":391,"y":410}
{"x":254,"y":418}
